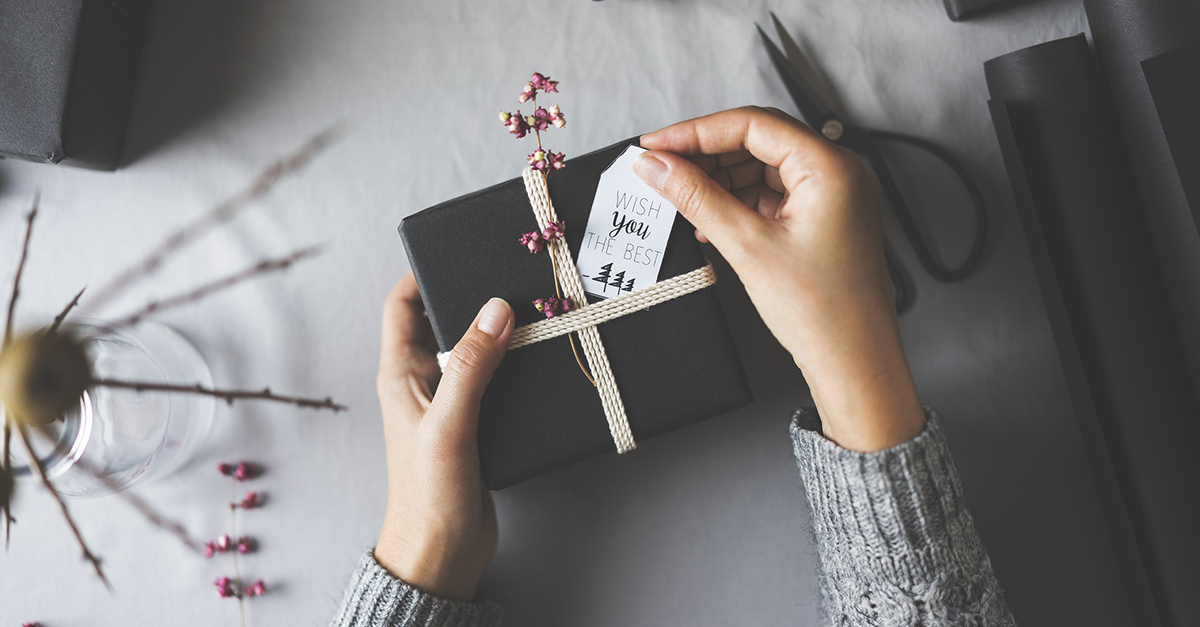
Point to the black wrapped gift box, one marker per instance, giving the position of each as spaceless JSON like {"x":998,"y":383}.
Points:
{"x":675,"y":363}
{"x":67,"y":72}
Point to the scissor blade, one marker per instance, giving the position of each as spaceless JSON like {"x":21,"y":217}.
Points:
{"x":807,"y":70}
{"x":811,"y":108}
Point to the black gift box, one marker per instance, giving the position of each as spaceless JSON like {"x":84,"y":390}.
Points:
{"x":67,"y":71}
{"x":675,"y":363}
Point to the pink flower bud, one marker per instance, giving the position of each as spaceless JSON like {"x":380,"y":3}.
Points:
{"x":549,"y":306}
{"x":225,"y":587}
{"x":223,"y":543}
{"x":245,"y":545}
{"x":533,"y":241}
{"x":524,"y":97}
{"x":243,"y":471}
{"x":554,"y":230}
{"x":210,"y":549}
{"x":251,"y":501}
{"x":567,"y":305}
{"x":556,"y":160}
{"x":225,"y":469}
{"x":256,"y":589}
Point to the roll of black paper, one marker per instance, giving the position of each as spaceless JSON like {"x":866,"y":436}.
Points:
{"x":1110,"y":312}
{"x":1143,"y":50}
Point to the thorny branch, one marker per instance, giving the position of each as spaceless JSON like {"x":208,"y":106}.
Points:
{"x":263,"y":267}
{"x":58,"y":320}
{"x":228,"y":396}
{"x":218,"y":215}
{"x":16,"y":290}
{"x":36,"y":465}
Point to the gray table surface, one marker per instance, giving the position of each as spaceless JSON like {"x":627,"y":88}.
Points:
{"x":705,"y":526}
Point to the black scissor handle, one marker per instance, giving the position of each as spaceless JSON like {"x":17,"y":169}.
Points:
{"x":870,"y":151}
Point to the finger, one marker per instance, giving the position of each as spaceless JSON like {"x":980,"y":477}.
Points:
{"x":727,"y":223}
{"x":470,"y":368}
{"x":761,"y":198}
{"x":771,"y":178}
{"x":403,"y":319}
{"x":774,"y":139}
{"x":742,"y":174}
{"x":702,"y":238}
{"x":708,"y":163}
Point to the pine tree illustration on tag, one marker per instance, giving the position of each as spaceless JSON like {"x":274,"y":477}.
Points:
{"x":627,"y":232}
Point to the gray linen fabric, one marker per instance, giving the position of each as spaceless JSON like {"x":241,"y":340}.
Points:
{"x":895,"y":542}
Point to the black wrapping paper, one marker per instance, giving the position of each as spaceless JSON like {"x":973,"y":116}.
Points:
{"x":675,"y":363}
{"x":960,"y":10}
{"x":1110,"y":313}
{"x":67,"y":73}
{"x":1128,"y":34}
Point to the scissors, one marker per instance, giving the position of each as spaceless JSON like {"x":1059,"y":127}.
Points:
{"x":818,"y":113}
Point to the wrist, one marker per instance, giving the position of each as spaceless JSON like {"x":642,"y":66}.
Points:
{"x":425,"y":563}
{"x":868,"y":407}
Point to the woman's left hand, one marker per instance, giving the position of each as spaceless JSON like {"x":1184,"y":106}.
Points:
{"x":440,"y":530}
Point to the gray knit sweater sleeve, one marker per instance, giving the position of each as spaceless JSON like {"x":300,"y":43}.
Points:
{"x":895,"y":543}
{"x":375,"y":598}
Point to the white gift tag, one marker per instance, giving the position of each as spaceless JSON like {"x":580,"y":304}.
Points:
{"x":627,"y":232}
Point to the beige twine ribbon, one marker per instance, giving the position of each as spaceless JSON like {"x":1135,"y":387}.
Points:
{"x":583,"y":320}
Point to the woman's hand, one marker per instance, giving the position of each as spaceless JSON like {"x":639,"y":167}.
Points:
{"x":440,"y":530}
{"x":798,"y":219}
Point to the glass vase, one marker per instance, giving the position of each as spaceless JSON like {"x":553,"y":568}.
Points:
{"x":117,"y":438}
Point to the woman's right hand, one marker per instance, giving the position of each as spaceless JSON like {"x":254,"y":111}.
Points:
{"x":798,"y":219}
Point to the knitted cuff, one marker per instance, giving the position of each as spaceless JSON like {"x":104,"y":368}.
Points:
{"x":894,"y":537}
{"x":375,"y":598}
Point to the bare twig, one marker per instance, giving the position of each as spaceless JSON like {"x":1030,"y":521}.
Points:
{"x":36,"y":464}
{"x":8,"y":519}
{"x":58,"y":320}
{"x":138,"y":503}
{"x":218,"y":215}
{"x":228,"y":396}
{"x":16,"y":290}
{"x":263,"y":267}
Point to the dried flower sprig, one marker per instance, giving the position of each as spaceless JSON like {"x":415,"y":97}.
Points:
{"x":543,"y":160}
{"x":541,"y":120}
{"x":232,"y":587}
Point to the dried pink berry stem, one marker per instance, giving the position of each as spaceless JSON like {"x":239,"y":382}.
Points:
{"x":237,"y":575}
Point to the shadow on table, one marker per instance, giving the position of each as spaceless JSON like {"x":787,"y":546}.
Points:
{"x":201,"y":58}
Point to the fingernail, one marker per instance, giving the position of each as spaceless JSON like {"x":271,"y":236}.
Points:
{"x":493,"y":317}
{"x":652,"y":170}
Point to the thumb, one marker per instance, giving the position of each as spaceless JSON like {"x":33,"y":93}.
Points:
{"x":472,"y":363}
{"x":725,"y":220}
